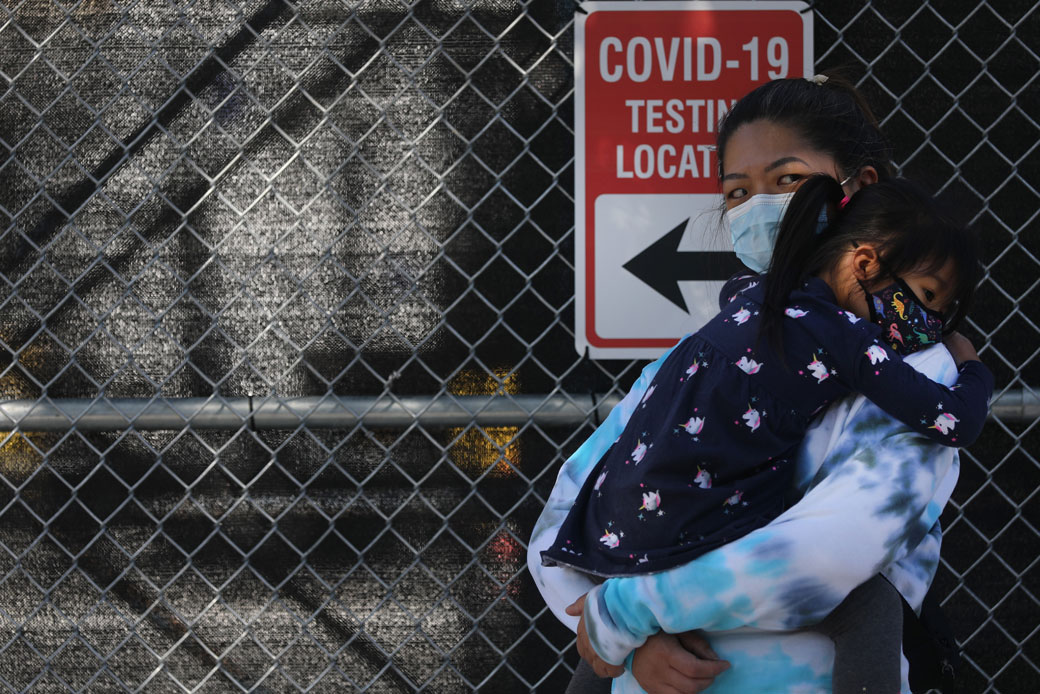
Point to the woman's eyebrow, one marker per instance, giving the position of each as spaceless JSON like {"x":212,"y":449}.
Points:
{"x":786,"y":160}
{"x":776,"y":164}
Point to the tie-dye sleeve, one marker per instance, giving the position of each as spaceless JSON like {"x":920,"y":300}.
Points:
{"x":875,"y":495}
{"x":561,"y":586}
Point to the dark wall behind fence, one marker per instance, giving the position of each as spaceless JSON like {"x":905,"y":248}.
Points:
{"x":268,"y":200}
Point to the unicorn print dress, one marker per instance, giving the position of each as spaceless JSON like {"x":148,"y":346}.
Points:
{"x":707,"y":454}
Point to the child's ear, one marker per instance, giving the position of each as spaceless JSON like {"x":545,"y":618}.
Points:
{"x":866,"y":265}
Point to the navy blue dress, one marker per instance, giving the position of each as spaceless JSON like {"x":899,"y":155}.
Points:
{"x":705,"y":458}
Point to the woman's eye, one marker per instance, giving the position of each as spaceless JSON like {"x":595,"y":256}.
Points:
{"x":736,"y":194}
{"x":789,"y":179}
{"x":929,"y":295}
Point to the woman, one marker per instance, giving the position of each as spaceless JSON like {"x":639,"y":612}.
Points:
{"x":872,"y":491}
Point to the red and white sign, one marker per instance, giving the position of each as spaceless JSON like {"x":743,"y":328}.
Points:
{"x":652,"y":80}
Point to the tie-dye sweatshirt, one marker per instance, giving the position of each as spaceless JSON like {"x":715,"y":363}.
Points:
{"x":873,"y":492}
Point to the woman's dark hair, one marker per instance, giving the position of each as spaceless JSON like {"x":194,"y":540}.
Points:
{"x":832,"y":117}
{"x":903,"y":223}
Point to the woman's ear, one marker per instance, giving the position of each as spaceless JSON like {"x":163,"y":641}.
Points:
{"x":867,"y":176}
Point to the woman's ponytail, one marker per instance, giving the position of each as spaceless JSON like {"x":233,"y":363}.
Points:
{"x":797,"y":241}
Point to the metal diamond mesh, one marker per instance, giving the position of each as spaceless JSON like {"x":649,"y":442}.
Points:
{"x":250,"y":202}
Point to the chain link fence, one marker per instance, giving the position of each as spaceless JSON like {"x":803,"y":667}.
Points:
{"x":286,"y":327}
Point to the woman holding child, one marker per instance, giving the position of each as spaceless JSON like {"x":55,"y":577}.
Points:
{"x":871,"y":487}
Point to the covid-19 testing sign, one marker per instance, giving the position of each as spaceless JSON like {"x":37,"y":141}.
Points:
{"x":652,"y":81}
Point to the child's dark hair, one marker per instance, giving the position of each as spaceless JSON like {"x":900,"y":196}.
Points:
{"x":831,"y":116}
{"x":897,"y":217}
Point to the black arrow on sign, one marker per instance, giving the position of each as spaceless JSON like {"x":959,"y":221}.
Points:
{"x":662,"y":266}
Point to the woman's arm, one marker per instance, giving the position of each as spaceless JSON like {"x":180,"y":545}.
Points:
{"x":561,"y":586}
{"x":877,"y":494}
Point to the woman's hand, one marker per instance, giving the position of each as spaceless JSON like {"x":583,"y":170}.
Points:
{"x":601,"y":667}
{"x":676,"y":664}
{"x":960,"y":348}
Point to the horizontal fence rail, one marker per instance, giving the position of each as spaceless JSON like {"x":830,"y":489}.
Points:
{"x":316,"y":412}
{"x":340,"y":412}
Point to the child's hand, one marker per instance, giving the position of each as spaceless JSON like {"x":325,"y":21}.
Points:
{"x":670,"y":663}
{"x":601,"y":667}
{"x":960,"y":348}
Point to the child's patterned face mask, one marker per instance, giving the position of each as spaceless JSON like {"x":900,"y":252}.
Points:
{"x":906,"y":324}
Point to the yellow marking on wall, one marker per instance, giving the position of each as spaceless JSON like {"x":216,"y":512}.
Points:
{"x":18,"y":457}
{"x":13,"y":384}
{"x":478,"y":448}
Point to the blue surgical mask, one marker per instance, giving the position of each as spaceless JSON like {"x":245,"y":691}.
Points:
{"x":753,"y":226}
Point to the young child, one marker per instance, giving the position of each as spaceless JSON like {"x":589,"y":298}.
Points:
{"x":704,"y":460}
